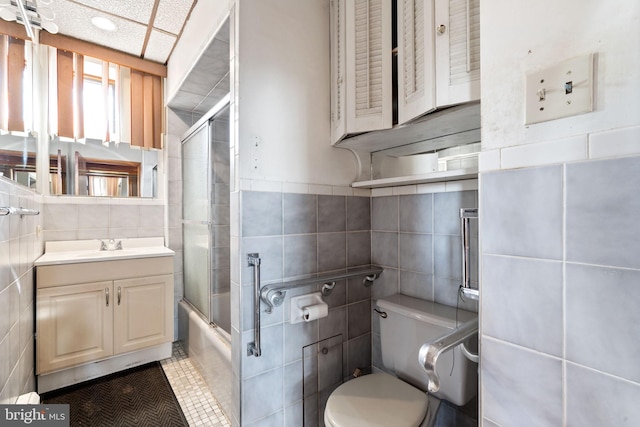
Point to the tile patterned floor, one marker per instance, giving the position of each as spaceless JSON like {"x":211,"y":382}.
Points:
{"x":198,"y":404}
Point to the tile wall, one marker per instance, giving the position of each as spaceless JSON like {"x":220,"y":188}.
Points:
{"x":416,"y":238}
{"x":20,"y":246}
{"x":560,"y":294}
{"x":298,"y":235}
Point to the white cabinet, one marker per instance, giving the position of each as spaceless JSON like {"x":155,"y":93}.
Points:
{"x":438,"y":55}
{"x":74,"y":324}
{"x":81,"y":318}
{"x":361,"y":76}
{"x":142,"y":312}
{"x":438,"y":61}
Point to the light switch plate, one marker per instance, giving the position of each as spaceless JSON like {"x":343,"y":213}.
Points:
{"x":564,"y":90}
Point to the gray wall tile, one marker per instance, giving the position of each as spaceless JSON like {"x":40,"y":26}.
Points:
{"x":335,"y":323}
{"x":446,"y":210}
{"x":523,"y":303}
{"x":297,"y":336}
{"x":261,"y":213}
{"x":417,"y":285}
{"x":300,"y":254}
{"x":384,"y":249}
{"x":416,"y":252}
{"x":358,"y":213}
{"x":358,"y":248}
{"x":271,"y":342}
{"x":359,"y":315}
{"x":299,"y":213}
{"x":388,"y":283}
{"x":359,"y":353}
{"x":266,"y":389}
{"x":596,"y":399}
{"x":602,"y":212}
{"x":332,"y":213}
{"x":602,"y":304}
{"x":356,"y":291}
{"x":447,"y":256}
{"x":522,"y":212}
{"x":271,"y":256}
{"x":384,"y":213}
{"x":332,"y":251}
{"x":519,"y":387}
{"x":416,"y":213}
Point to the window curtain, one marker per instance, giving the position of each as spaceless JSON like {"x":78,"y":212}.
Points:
{"x":12,"y":87}
{"x":146,"y":110}
{"x":66,"y":110}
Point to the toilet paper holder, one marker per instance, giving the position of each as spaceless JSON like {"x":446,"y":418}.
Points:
{"x":306,"y":308}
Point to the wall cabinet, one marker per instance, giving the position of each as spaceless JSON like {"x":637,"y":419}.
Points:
{"x":438,"y":61}
{"x":81,"y":319}
{"x":361,"y":76}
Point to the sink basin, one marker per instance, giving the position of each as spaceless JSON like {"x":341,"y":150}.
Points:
{"x":89,"y":251}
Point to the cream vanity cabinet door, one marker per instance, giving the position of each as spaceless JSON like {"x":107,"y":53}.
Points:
{"x":457,"y":34}
{"x":74,"y":324}
{"x":361,"y":76}
{"x":142,"y":312}
{"x":438,"y":55}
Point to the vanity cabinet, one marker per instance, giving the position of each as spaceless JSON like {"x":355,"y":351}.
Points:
{"x":81,"y":319}
{"x":438,"y":61}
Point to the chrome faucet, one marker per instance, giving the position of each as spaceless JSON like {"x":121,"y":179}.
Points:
{"x":103,"y":245}
{"x":111,"y":246}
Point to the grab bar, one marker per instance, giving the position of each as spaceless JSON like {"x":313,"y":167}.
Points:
{"x":253,"y":348}
{"x":465,"y":290}
{"x":273,"y":295}
{"x":10,"y":210}
{"x":430,"y":351}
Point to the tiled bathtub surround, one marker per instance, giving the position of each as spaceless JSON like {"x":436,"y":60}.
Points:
{"x":560,"y":291}
{"x":297,"y":235}
{"x":19,"y":248}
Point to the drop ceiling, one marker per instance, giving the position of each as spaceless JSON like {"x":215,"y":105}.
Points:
{"x":145,"y":28}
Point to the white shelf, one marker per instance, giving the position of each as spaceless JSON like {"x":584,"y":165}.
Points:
{"x":426,"y":178}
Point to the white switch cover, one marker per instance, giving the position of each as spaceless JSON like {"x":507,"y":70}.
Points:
{"x":563,"y":90}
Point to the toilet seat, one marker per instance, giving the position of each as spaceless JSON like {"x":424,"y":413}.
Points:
{"x":376,"y":400}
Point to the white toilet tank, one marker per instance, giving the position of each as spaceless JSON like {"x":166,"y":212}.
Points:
{"x":411,"y":322}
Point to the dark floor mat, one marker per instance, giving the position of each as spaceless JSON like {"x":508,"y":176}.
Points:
{"x":139,"y":396}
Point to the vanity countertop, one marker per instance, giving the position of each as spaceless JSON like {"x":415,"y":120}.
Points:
{"x":78,"y":251}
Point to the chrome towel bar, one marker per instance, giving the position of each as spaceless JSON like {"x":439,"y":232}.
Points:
{"x":10,"y":210}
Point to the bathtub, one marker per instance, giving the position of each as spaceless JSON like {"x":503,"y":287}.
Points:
{"x":209,"y":349}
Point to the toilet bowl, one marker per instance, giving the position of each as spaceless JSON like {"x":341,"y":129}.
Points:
{"x":382,"y":399}
{"x":376,"y":400}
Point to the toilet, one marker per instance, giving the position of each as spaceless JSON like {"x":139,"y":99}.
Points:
{"x":382,"y":399}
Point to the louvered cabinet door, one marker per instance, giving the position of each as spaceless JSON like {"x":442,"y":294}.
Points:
{"x":416,"y":68}
{"x":457,"y":41}
{"x":338,"y":70}
{"x":369,"y":98}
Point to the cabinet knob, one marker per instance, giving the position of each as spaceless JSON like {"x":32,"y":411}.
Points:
{"x":441,"y":29}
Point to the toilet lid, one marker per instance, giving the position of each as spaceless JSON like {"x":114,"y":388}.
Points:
{"x":376,"y":400}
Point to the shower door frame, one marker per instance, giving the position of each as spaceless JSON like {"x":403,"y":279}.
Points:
{"x":206,"y":120}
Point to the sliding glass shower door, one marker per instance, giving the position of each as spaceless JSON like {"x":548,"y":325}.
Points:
{"x":205,"y":177}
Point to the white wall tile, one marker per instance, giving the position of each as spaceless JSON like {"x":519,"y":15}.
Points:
{"x":559,"y":151}
{"x":613,"y":143}
{"x":489,"y":160}
{"x":520,"y":387}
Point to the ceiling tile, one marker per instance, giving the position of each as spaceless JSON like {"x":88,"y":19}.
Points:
{"x":159,"y":46}
{"x":138,"y":10}
{"x":171,"y":15}
{"x":75,"y":20}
